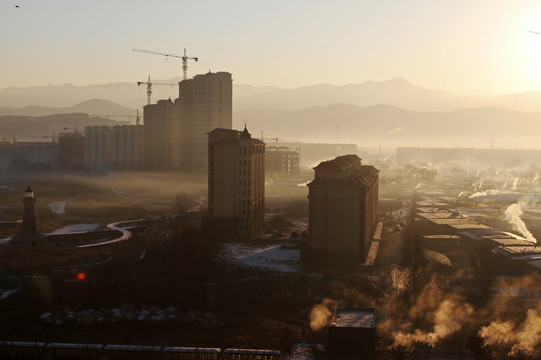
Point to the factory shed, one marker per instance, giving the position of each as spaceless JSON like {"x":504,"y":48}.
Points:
{"x":352,"y":332}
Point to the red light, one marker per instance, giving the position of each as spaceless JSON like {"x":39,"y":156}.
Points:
{"x":81,"y":276}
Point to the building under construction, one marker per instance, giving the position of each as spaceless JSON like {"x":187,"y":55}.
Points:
{"x":281,"y":160}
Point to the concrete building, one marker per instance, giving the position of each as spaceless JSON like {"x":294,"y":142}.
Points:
{"x":71,"y":150}
{"x":281,"y":160}
{"x":343,"y":207}
{"x":353,"y":332}
{"x":98,"y":148}
{"x":33,"y":155}
{"x":5,"y":153}
{"x":206,"y":103}
{"x":162,"y":135}
{"x":128,"y":147}
{"x":314,"y":153}
{"x":236,"y":182}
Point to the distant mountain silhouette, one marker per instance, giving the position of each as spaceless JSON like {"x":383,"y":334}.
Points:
{"x":242,"y":90}
{"x":41,"y":128}
{"x":127,"y":94}
{"x":392,"y":125}
{"x":395,"y":92}
{"x":94,"y":106}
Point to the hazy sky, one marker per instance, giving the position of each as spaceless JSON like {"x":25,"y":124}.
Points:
{"x":465,"y":46}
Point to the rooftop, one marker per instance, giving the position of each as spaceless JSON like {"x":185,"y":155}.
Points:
{"x":362,"y":318}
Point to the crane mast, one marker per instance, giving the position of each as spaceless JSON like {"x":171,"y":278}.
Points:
{"x":149,"y":88}
{"x":184,"y":58}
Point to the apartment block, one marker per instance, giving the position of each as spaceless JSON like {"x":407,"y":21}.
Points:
{"x":236,"y":182}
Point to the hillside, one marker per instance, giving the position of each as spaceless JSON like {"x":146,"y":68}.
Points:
{"x":367,"y":126}
{"x":94,"y":107}
{"x":395,"y":92}
{"x":41,"y":128}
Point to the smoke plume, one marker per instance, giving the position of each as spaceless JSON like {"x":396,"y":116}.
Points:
{"x":513,"y":214}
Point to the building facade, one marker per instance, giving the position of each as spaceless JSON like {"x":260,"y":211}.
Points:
{"x":71,"y":150}
{"x":34,"y":155}
{"x":98,"y":148}
{"x":343,"y":206}
{"x":162,"y":135}
{"x":127,"y":147}
{"x":206,"y":103}
{"x":236,"y":182}
{"x":281,"y":160}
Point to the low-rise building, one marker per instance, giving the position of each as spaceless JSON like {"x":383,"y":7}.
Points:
{"x":281,"y":160}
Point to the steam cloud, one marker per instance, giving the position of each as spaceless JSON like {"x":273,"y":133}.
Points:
{"x":521,"y":338}
{"x":449,"y":317}
{"x":515,"y":183}
{"x":513,"y":214}
{"x":321,"y":314}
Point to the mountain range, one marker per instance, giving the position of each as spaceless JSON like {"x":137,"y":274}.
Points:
{"x":394,"y":112}
{"x":397,"y":92}
{"x":390,"y":125}
{"x":43,"y":128}
{"x":92,"y":107}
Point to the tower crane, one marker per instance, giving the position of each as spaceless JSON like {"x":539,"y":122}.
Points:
{"x":149,"y":87}
{"x":184,"y":58}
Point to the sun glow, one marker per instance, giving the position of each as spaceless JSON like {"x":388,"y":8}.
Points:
{"x":527,"y":48}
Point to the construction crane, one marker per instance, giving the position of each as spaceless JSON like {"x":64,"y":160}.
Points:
{"x":184,"y":58}
{"x":267,"y":138}
{"x":149,"y":87}
{"x":75,"y":129}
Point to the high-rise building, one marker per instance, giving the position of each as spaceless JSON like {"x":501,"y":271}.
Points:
{"x":343,"y":206}
{"x":236,"y":182}
{"x":71,"y":150}
{"x":98,"y":148}
{"x":205,"y":104}
{"x":128,"y":147}
{"x":162,"y":135}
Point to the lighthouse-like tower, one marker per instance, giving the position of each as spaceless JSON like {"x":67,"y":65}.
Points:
{"x":29,"y":226}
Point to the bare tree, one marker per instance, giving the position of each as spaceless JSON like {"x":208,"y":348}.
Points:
{"x":182,"y":203}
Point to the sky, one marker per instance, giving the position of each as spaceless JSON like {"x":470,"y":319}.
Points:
{"x":463,"y":46}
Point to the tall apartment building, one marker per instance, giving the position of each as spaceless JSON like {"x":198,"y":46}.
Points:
{"x":236,"y":182}
{"x":206,"y":103}
{"x":162,"y":135}
{"x":71,"y":150}
{"x":343,"y":206}
{"x":127,"y":147}
{"x":98,"y":148}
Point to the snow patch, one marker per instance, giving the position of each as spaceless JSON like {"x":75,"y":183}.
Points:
{"x":58,"y":207}
{"x":270,"y":257}
{"x":75,"y":228}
